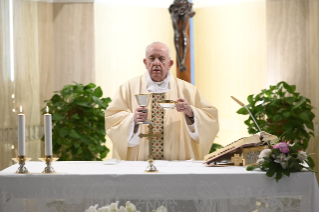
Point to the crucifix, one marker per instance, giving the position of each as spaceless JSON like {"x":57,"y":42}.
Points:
{"x":150,"y":135}
{"x":236,"y":160}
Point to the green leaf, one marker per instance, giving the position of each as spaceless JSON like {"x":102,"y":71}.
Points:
{"x":251,"y":168}
{"x":74,"y":134}
{"x":242,"y":111}
{"x":55,"y":98}
{"x":57,"y":117}
{"x":290,"y":100}
{"x":250,"y":98}
{"x":310,"y":162}
{"x":270,"y":172}
{"x":293,"y":88}
{"x":85,"y":140}
{"x":90,"y":85}
{"x":298,"y":104}
{"x":286,"y":172}
{"x":80,"y":150}
{"x":287,"y":87}
{"x":268,"y":93}
{"x":213,"y":148}
{"x":76,"y":144}
{"x":278,"y":175}
{"x":67,"y":87}
{"x":92,"y":148}
{"x":75,"y":116}
{"x":304,"y":116}
{"x":286,"y":114}
{"x":63,"y":132}
{"x":296,"y":95}
{"x":98,"y":101}
{"x":84,"y":104}
{"x":98,"y":92}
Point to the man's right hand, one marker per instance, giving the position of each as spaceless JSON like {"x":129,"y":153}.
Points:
{"x":140,"y":115}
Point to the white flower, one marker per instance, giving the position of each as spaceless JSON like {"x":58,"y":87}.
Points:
{"x":130,"y":207}
{"x":161,"y":209}
{"x":282,"y":159}
{"x":92,"y":208}
{"x":265,"y":153}
{"x":104,"y":209}
{"x":302,"y":155}
{"x":122,"y":209}
{"x":114,"y":207}
{"x":260,"y":160}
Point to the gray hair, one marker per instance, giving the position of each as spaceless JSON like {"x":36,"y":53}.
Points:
{"x":157,"y":42}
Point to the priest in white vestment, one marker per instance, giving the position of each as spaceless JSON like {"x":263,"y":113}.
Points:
{"x":188,"y":131}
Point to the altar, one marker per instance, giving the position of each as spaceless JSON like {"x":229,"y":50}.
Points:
{"x":180,"y":186}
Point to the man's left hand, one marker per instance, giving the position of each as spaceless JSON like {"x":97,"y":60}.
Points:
{"x":182,"y":105}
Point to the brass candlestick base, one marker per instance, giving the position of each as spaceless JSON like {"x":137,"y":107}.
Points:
{"x":48,"y":159}
{"x":21,"y":160}
{"x":151,"y":167}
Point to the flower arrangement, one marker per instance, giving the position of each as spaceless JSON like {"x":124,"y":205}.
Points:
{"x":281,"y":157}
{"x":114,"y":208}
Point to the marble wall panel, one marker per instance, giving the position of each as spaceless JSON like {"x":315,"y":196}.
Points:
{"x":314,"y":74}
{"x":26,"y":81}
{"x":26,"y":59}
{"x":230,"y":60}
{"x":73,"y":27}
{"x":7,"y":116}
{"x":46,"y":49}
{"x":288,"y":43}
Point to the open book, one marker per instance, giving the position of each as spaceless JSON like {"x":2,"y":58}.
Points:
{"x":234,"y":147}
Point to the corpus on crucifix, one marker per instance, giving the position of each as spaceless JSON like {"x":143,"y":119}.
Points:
{"x":181,"y":12}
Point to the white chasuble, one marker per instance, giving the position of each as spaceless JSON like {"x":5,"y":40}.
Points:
{"x":178,"y":144}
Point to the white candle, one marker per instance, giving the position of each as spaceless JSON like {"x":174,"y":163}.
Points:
{"x":21,"y":132}
{"x":48,"y":133}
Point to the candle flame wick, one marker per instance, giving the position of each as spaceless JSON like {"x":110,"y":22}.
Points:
{"x":47,"y":109}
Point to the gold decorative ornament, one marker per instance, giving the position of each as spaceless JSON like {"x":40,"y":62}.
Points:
{"x":150,"y":135}
{"x":237,"y":160}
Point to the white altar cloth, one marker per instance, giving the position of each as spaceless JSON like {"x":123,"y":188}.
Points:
{"x":180,"y":186}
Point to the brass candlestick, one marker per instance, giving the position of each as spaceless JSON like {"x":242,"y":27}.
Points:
{"x":48,"y":159}
{"x":21,"y":160}
{"x":150,"y":135}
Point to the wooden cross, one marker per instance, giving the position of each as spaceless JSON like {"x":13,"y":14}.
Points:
{"x":236,"y":160}
{"x":150,"y":135}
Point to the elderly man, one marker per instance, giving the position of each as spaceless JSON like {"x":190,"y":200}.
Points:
{"x":187,"y":131}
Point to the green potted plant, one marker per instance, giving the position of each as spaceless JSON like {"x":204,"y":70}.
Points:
{"x":280,"y":110}
{"x":78,"y":122}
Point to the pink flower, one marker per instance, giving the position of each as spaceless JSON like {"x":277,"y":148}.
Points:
{"x":282,"y":146}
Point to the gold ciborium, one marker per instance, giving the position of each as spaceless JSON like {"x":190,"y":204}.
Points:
{"x":143,"y":101}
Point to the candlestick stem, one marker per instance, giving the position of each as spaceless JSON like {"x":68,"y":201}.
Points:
{"x":48,"y":159}
{"x":21,"y":160}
